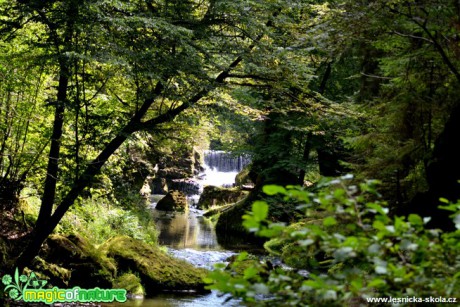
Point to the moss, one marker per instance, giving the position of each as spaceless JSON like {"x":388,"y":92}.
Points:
{"x":274,"y":246}
{"x":287,"y":248}
{"x":216,"y":196}
{"x":131,"y":283}
{"x":243,"y":178}
{"x":56,"y":275}
{"x":158,"y":271}
{"x":90,"y":268}
{"x":216,"y":211}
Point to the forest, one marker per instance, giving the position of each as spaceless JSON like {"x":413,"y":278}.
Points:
{"x":344,"y":110}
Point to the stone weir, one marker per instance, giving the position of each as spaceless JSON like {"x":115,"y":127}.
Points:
{"x":219,"y":169}
{"x":222,"y":161}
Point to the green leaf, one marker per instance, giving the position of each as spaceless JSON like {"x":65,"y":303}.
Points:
{"x":250,"y":272}
{"x":260,"y":210}
{"x":415,"y":219}
{"x":274,"y":189}
{"x":379,"y":225}
{"x":376,"y":283}
{"x":250,"y":223}
{"x":329,"y":221}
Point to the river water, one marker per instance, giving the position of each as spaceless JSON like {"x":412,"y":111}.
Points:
{"x":191,"y":237}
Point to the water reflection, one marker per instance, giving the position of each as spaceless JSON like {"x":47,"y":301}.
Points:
{"x":185,"y":230}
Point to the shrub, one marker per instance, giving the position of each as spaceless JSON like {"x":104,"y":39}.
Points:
{"x":365,"y":252}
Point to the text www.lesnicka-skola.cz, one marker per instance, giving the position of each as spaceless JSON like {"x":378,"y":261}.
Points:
{"x":412,"y":299}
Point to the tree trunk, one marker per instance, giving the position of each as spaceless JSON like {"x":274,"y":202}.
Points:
{"x":443,"y":174}
{"x":49,"y":192}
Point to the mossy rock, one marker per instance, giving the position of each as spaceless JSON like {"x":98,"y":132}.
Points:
{"x":131,"y":283}
{"x":230,"y":231}
{"x":157,"y":270}
{"x":242,"y":178}
{"x":275,"y":246}
{"x":238,"y":266}
{"x":173,"y":201}
{"x":230,"y":221}
{"x":216,"y":196}
{"x":89,"y":267}
{"x":216,"y":211}
{"x":53,"y":273}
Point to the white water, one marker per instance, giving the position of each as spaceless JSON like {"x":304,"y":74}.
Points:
{"x":212,"y":176}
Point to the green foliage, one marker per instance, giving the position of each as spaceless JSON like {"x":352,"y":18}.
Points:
{"x":98,"y":218}
{"x":365,"y":252}
{"x":408,"y":70}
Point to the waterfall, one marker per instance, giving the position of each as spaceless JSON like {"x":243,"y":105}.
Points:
{"x":221,"y":168}
{"x":190,"y":230}
{"x":222,"y":161}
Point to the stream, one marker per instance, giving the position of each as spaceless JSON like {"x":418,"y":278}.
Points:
{"x":192,"y":237}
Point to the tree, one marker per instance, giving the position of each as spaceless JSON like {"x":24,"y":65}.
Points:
{"x":124,"y":67}
{"x":21,"y":145}
{"x":408,"y":93}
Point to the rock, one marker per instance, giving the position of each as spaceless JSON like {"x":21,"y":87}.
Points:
{"x":174,"y":172}
{"x":197,"y":162}
{"x":229,"y":226}
{"x":131,"y":283}
{"x":187,"y":185}
{"x":89,"y":267}
{"x":243,"y":179}
{"x":173,"y":201}
{"x":216,"y":196}
{"x":159,"y":186}
{"x":121,"y":262}
{"x":157,"y":270}
{"x":145,"y":190}
{"x":53,"y":273}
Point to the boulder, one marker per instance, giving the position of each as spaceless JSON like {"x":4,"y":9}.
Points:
{"x":243,"y":179}
{"x":157,"y":270}
{"x":121,"y":262}
{"x":174,"y":172}
{"x":197,"y":162}
{"x":131,"y":283}
{"x":216,"y":196}
{"x":173,"y":201}
{"x":159,"y":186}
{"x":89,"y":268}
